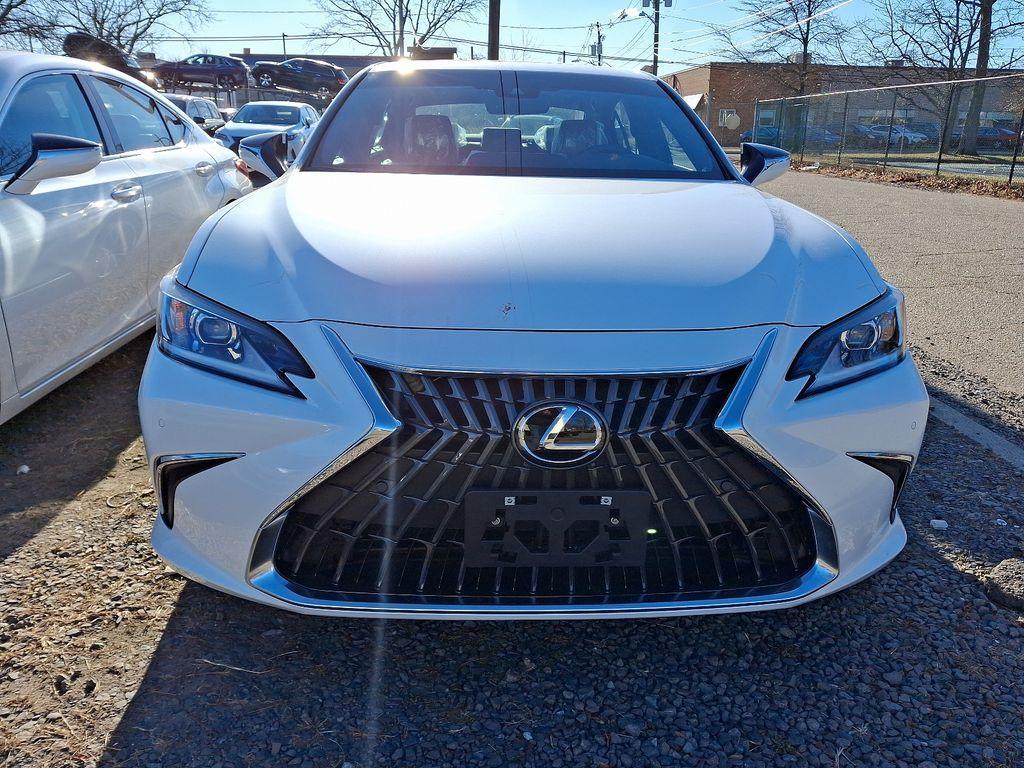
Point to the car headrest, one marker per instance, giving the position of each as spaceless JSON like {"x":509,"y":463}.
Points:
{"x":575,"y":136}
{"x":430,"y":140}
{"x":499,"y":139}
{"x":543,"y":136}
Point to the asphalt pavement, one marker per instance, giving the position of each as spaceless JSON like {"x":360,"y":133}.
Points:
{"x":958,"y":257}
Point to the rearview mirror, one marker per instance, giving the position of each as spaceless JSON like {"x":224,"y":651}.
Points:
{"x":760,"y":163}
{"x":54,"y":157}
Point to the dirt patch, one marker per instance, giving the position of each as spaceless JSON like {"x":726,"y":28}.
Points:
{"x":923,"y":181}
{"x":84,"y":600}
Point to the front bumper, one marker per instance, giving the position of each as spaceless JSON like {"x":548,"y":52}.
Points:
{"x":227,"y":518}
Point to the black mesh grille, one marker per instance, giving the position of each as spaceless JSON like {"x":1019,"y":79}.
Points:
{"x":390,"y":524}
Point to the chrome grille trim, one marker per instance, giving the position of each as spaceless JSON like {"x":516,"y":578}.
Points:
{"x":264,"y":576}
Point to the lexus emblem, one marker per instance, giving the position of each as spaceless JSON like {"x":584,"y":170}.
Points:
{"x":560,"y":434}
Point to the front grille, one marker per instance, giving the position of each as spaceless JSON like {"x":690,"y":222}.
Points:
{"x":390,"y":525}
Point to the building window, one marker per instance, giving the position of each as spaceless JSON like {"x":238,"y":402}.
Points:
{"x":723,"y":117}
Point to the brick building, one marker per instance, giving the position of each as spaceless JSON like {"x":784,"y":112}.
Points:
{"x":719,"y":88}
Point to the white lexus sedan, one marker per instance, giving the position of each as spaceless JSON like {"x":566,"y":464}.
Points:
{"x":443,"y":370}
{"x":103,"y":183}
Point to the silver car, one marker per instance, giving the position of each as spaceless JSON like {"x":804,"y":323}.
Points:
{"x":295,"y":119}
{"x":103,"y":183}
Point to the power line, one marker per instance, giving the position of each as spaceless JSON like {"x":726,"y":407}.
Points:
{"x":447,"y":38}
{"x":321,"y":11}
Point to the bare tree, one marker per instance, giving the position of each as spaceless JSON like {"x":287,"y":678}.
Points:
{"x":20,"y":23}
{"x":937,"y":40}
{"x":996,"y":19}
{"x":127,"y":24}
{"x":927,"y":40}
{"x":386,"y":25}
{"x":793,"y":31}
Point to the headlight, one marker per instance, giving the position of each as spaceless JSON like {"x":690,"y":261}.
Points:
{"x":865,"y":342}
{"x":202,"y":333}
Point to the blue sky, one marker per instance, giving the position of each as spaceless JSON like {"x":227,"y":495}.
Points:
{"x":685,"y":39}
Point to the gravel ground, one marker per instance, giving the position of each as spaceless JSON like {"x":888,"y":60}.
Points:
{"x":108,"y":658}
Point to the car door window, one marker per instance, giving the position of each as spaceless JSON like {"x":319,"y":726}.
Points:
{"x":48,"y":104}
{"x":175,"y":125}
{"x":135,"y":116}
{"x":211,"y":111}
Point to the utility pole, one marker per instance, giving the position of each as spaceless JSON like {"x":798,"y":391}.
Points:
{"x":657,"y":29}
{"x":493,"y":29}
{"x":284,"y":48}
{"x":598,"y":48}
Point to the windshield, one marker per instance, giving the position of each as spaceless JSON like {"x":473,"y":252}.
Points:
{"x":533,"y":123}
{"x":267,"y":114}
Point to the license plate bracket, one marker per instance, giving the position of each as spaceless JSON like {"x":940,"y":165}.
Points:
{"x":556,"y":528}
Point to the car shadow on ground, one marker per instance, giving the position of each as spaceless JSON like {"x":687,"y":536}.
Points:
{"x":69,"y":440}
{"x":913,"y":664}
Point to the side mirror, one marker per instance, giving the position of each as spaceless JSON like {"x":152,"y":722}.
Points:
{"x":760,"y":163}
{"x":54,"y":157}
{"x":199,"y":120}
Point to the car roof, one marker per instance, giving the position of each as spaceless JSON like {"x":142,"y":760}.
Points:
{"x":14,"y":65}
{"x":405,"y":65}
{"x":278,"y":103}
{"x":187,"y":97}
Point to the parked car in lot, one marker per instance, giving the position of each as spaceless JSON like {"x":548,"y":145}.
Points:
{"x":204,"y":112}
{"x":897,"y":134}
{"x":81,"y":45}
{"x":820,"y":137}
{"x":929,"y":130}
{"x":293,"y":118}
{"x":222,"y":71}
{"x":766,"y":134}
{"x":990,"y":138}
{"x":103,"y":186}
{"x":307,"y":75}
{"x":602,"y":377}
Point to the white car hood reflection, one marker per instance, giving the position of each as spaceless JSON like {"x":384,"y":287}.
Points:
{"x":520,"y":253}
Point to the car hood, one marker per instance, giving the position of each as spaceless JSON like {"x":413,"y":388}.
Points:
{"x":244,"y":130}
{"x":518,"y":253}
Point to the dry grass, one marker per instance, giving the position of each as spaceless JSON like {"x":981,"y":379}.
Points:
{"x":922,"y":180}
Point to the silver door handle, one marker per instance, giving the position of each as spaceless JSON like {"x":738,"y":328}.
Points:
{"x":126,"y":192}
{"x":204,"y":168}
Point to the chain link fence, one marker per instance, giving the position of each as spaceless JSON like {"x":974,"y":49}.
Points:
{"x":919,"y":128}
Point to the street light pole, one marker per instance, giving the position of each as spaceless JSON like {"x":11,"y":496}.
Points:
{"x":493,"y":29}
{"x":657,"y":31}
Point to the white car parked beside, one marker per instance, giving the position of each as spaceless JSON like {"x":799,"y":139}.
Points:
{"x":103,"y":183}
{"x":445,"y":369}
